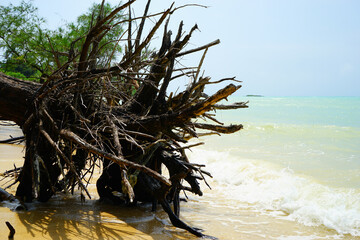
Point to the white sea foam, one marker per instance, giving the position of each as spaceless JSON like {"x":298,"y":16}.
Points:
{"x":271,"y":189}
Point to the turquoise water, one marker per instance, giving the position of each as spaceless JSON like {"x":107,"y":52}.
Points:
{"x":296,"y":155}
{"x":316,"y":136}
{"x":324,"y":111}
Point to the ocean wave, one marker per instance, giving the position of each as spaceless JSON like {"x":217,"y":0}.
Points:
{"x":268,"y":187}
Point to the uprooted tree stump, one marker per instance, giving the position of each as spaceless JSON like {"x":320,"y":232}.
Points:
{"x":121,"y":116}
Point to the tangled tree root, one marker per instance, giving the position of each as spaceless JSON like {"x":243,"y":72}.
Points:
{"x":122,"y":117}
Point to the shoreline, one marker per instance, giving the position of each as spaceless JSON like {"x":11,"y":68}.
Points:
{"x":65,"y":217}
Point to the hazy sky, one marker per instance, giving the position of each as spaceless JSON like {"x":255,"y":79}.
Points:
{"x":276,"y":47}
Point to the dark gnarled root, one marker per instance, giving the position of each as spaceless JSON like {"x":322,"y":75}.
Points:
{"x":177,"y":222}
{"x":11,"y":229}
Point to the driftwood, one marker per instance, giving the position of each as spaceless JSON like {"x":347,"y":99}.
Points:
{"x":13,"y":140}
{"x":121,"y":115}
{"x":11,"y":229}
{"x":8,"y":197}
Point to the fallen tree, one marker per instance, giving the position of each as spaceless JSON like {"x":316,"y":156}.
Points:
{"x":122,"y":116}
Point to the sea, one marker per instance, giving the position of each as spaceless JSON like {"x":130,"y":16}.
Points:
{"x":292,"y":172}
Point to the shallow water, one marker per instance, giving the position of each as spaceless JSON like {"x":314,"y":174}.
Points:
{"x":292,"y":173}
{"x":296,"y":157}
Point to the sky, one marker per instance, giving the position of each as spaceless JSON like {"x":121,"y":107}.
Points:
{"x":276,"y":47}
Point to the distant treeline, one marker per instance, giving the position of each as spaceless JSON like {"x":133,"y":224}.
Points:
{"x":251,"y":95}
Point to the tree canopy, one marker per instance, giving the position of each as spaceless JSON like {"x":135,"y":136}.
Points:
{"x":31,"y":51}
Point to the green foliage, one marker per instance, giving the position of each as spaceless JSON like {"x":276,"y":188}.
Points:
{"x":17,"y":65}
{"x":20,"y":29}
{"x":13,"y":74}
{"x":30,"y":50}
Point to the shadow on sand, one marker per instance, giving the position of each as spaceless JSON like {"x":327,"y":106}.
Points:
{"x":70,"y":219}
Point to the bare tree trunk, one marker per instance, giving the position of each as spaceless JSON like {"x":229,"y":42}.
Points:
{"x":15,"y":95}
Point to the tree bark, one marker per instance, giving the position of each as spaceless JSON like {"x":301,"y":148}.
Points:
{"x":15,"y":96}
